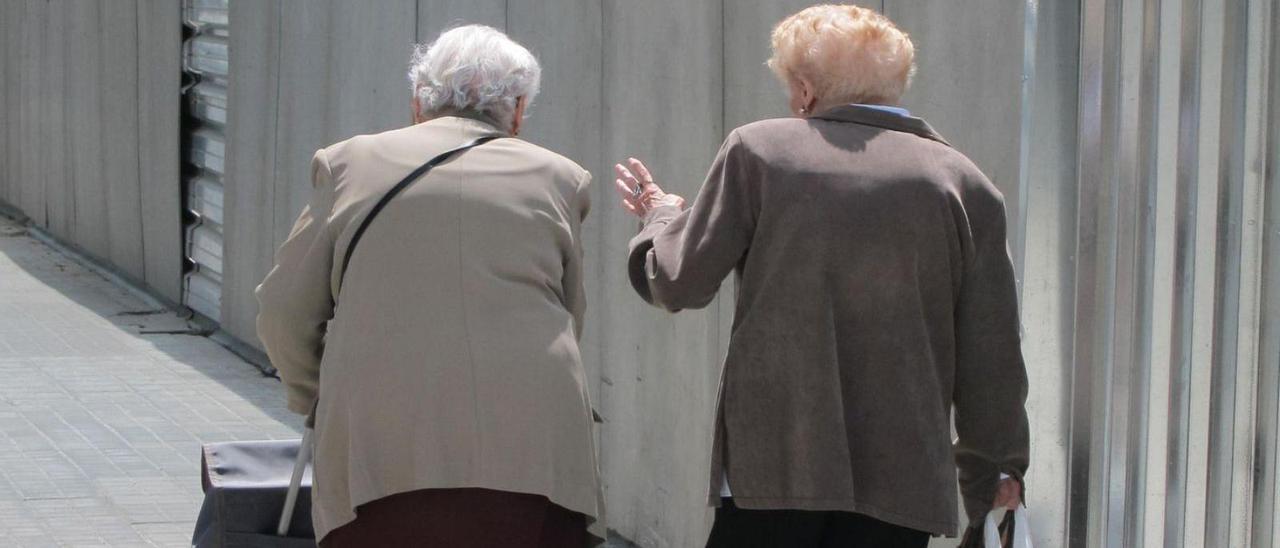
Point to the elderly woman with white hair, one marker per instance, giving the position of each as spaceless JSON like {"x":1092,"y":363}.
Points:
{"x":431,"y":322}
{"x":875,"y":294}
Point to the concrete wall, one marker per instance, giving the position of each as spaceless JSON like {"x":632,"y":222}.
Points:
{"x":663,"y":81}
{"x":89,"y":129}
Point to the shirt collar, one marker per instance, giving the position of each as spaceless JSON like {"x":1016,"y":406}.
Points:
{"x":881,"y":118}
{"x":896,"y":110}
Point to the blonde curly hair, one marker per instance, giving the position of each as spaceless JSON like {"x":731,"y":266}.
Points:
{"x":849,"y":54}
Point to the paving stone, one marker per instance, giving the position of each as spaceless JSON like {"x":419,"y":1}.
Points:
{"x":101,"y":424}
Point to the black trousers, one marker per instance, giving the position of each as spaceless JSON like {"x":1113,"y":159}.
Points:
{"x":738,"y":528}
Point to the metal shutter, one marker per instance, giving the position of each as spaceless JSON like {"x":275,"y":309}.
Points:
{"x":206,"y":67}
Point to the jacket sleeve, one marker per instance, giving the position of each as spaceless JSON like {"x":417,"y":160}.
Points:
{"x":679,"y":259}
{"x":991,"y":379}
{"x":574,"y":291}
{"x":295,"y":301}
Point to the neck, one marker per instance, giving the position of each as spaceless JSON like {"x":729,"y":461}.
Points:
{"x":469,"y":114}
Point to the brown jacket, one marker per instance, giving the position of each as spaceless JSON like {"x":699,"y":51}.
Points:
{"x":875,"y":292}
{"x":450,"y":358}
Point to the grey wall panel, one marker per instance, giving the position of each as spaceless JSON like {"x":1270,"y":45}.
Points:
{"x":1163,"y":376}
{"x":5,"y":84}
{"x":663,"y":84}
{"x":71,"y":144}
{"x":31,"y":192}
{"x":8,"y":80}
{"x":566,"y":118}
{"x":751,"y":91}
{"x":159,"y":81}
{"x":1236,"y":475}
{"x":968,"y":83}
{"x":568,"y":107}
{"x":1048,"y":219}
{"x":303,"y":117}
{"x":14,"y":19}
{"x":1202,"y":220}
{"x":336,"y":69}
{"x":1266,"y":495}
{"x":59,"y":207}
{"x":435,"y":16}
{"x":370,"y":48}
{"x":120,"y":135}
{"x":251,"y":161}
{"x":12,"y":42}
{"x":85,"y":142}
{"x":1266,"y":499}
{"x":1182,"y":309}
{"x":1228,"y":517}
{"x":304,"y":108}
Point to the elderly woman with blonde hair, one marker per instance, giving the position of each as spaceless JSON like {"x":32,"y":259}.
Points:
{"x":875,"y":296}
{"x":431,"y":321}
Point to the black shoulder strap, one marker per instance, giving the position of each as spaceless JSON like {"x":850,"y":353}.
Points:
{"x":400,"y":186}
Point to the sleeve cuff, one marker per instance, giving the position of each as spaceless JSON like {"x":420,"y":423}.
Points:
{"x":979,"y":494}
{"x":660,"y":213}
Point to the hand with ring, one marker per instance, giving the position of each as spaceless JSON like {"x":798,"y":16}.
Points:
{"x":639,"y":193}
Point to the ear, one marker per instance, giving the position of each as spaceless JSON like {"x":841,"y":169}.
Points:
{"x":808,"y":99}
{"x":517,"y":119}
{"x":418,"y":118}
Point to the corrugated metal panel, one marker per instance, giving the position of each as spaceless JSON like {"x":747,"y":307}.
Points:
{"x":1173,"y":384}
{"x":206,"y":62}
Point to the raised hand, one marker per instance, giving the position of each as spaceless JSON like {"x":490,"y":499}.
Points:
{"x":639,"y":193}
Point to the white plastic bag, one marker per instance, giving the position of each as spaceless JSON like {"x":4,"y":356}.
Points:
{"x":1021,"y":529}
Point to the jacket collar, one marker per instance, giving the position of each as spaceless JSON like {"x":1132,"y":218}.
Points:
{"x":469,"y":122}
{"x":881,"y":119}
{"x":477,"y":116}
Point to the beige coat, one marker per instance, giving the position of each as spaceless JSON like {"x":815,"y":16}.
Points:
{"x":450,"y":358}
{"x":875,"y":294}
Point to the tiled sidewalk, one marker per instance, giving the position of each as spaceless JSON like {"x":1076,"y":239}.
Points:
{"x":104,"y":404}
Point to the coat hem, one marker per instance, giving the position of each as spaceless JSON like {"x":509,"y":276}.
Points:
{"x":323,"y":527}
{"x":947,"y":528}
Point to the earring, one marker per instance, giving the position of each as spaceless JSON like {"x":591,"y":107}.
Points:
{"x":804,"y":110}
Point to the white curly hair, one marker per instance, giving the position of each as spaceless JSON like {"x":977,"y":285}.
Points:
{"x":474,"y":68}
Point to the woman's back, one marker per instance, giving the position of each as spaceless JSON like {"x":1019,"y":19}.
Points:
{"x":477,"y":248}
{"x":862,"y":229}
{"x":452,"y":359}
{"x":875,"y":292}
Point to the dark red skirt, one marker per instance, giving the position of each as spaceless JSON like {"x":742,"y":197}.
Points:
{"x":461,"y":518}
